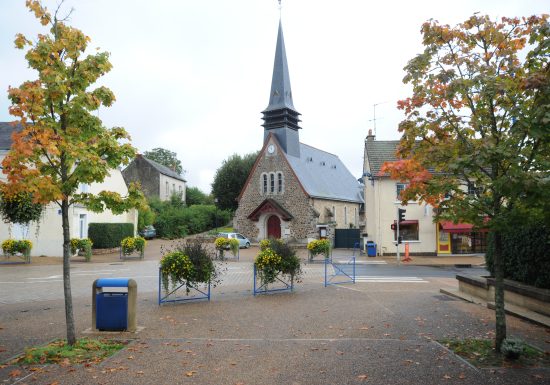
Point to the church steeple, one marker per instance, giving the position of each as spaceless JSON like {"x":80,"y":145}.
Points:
{"x":280,"y":116}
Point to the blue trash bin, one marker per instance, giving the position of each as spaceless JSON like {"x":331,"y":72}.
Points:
{"x":111,"y":307}
{"x":371,"y":249}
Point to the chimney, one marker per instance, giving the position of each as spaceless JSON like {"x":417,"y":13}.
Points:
{"x":370,"y":136}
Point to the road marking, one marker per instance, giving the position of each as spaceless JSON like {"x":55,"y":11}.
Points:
{"x":382,"y":279}
{"x":348,"y":262}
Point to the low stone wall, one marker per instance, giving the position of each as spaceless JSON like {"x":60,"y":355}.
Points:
{"x":515,"y":293}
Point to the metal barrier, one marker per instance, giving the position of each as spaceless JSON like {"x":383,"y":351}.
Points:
{"x":172,"y":295}
{"x":263,"y":289}
{"x":342,"y":269}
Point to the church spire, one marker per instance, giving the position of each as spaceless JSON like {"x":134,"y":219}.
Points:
{"x":280,"y":116}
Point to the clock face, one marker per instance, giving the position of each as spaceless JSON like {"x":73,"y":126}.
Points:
{"x":271,"y":149}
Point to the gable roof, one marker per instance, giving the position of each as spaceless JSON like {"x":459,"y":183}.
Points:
{"x":6,"y":129}
{"x":323,"y":175}
{"x":378,"y":152}
{"x":163,"y":169}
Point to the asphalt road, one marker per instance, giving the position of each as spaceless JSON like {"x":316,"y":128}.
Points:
{"x":20,"y":284}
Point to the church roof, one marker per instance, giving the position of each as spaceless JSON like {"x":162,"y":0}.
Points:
{"x":281,"y":93}
{"x":323,"y":175}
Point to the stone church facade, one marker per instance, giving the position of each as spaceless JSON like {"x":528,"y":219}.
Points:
{"x":294,"y":191}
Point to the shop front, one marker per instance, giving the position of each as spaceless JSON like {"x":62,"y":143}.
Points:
{"x":459,"y":238}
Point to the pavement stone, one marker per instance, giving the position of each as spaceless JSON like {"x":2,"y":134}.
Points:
{"x":368,"y":332}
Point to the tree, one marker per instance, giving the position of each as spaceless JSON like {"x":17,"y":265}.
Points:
{"x":230,"y":179}
{"x":166,"y":158}
{"x":62,"y":143}
{"x":479,"y":117}
{"x":194,"y":196}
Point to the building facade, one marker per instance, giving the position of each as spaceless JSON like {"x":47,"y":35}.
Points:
{"x":156,"y":180}
{"x":418,"y":229}
{"x":46,"y":235}
{"x":294,"y":191}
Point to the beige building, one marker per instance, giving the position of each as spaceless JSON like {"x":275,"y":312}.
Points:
{"x":418,"y":228}
{"x":47,"y":236}
{"x":294,"y":191}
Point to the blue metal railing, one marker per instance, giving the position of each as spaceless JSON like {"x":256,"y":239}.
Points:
{"x":263,"y":289}
{"x":169,"y":297}
{"x":341,"y":270}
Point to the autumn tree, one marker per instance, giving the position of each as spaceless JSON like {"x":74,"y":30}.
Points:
{"x":230,"y":179}
{"x":62,"y":143}
{"x":166,"y":158}
{"x":476,"y":138}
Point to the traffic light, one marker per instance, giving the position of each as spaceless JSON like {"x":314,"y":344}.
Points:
{"x":393,"y":226}
{"x":399,"y":240}
{"x":401,"y":215}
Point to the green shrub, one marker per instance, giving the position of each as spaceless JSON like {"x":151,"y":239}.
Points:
{"x":276,"y":258}
{"x":108,"y":235}
{"x":83,"y":246}
{"x":525,"y":253}
{"x":177,"y":222}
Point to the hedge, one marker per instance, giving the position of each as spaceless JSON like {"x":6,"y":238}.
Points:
{"x":172,"y":222}
{"x":107,"y":235}
{"x":526,"y":254}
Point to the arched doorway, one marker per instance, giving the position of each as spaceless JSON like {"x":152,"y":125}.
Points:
{"x":274,"y":227}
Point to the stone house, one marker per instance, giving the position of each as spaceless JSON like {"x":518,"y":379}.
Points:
{"x":156,"y":180}
{"x":418,"y":229}
{"x":47,"y":236}
{"x":294,"y":191}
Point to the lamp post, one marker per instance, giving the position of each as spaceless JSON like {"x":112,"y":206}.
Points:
{"x":216,"y":215}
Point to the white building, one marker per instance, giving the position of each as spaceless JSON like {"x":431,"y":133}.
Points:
{"x":47,"y":236}
{"x":418,"y":229}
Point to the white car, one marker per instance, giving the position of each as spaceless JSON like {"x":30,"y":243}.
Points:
{"x":243,"y":241}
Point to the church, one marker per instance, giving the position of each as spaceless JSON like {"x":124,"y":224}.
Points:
{"x":294,"y":191}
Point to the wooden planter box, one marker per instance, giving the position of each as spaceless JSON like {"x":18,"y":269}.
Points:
{"x":515,"y":293}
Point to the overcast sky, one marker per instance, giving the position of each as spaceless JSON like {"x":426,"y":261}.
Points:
{"x":193,"y":76}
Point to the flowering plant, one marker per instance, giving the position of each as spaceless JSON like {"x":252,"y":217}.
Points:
{"x":189,"y":264}
{"x":276,"y":258}
{"x":175,"y":268}
{"x":264,"y":244}
{"x":83,"y":245}
{"x":321,"y":246}
{"x":12,"y":247}
{"x":223,"y":244}
{"x":131,"y":244}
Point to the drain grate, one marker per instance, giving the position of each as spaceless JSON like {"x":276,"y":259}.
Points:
{"x":445,"y":298}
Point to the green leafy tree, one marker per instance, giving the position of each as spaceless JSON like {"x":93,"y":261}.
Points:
{"x":477,"y":126}
{"x":62,"y":142}
{"x":194,"y":196}
{"x":230,"y":179}
{"x":166,"y":158}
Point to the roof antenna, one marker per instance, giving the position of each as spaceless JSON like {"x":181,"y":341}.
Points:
{"x":280,"y":8}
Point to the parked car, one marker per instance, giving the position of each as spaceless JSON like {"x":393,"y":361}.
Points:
{"x":243,"y":241}
{"x":148,"y":232}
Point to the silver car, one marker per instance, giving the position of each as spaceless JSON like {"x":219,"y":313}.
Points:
{"x":243,"y":241}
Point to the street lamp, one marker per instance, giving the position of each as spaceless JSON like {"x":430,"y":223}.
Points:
{"x":216,"y":200}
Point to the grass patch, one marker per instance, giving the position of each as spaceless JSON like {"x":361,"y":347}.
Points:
{"x":482,"y":353}
{"x":85,"y":350}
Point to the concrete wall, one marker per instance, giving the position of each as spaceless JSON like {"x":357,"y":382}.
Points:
{"x":147,"y":176}
{"x":343,"y":215}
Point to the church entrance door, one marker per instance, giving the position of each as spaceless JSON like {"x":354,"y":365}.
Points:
{"x":274,"y":227}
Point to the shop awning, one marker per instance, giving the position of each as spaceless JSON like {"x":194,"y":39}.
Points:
{"x":451,"y":227}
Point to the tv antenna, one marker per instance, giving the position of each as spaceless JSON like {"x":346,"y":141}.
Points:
{"x":374,"y":114}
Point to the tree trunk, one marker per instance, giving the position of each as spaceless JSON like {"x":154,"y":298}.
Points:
{"x":499,"y":292}
{"x":69,"y":318}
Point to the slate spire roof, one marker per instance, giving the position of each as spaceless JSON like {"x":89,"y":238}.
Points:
{"x":280,"y":112}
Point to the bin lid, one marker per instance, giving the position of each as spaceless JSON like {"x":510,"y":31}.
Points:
{"x":112,"y":282}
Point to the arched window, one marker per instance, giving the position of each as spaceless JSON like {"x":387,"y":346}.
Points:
{"x":272,"y":183}
{"x":264,"y":183}
{"x":280,"y":183}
